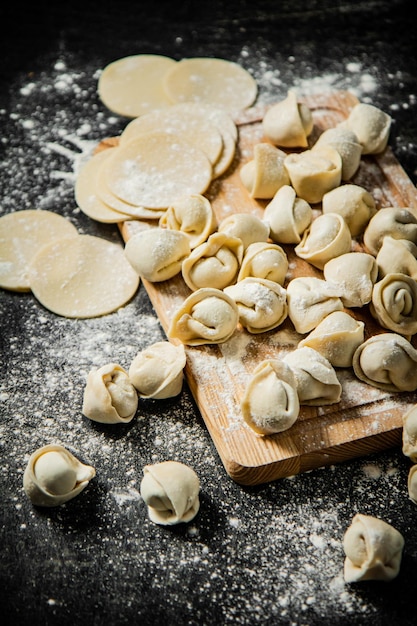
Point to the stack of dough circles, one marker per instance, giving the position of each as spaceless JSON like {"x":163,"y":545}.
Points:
{"x":22,"y":235}
{"x":155,"y":169}
{"x":212,"y":81}
{"x":82,"y":276}
{"x":133,"y":85}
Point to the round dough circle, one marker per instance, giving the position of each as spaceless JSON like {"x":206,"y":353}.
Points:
{"x":22,"y":235}
{"x":133,"y":85}
{"x":212,"y":81}
{"x":156,"y":169}
{"x":82,"y":276}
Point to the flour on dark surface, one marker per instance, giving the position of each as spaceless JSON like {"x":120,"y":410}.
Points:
{"x":277,"y":546}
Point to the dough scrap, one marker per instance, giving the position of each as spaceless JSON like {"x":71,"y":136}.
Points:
{"x":109,"y":396}
{"x":22,"y":235}
{"x":157,"y":254}
{"x":155,"y":169}
{"x":158,"y":371}
{"x":347,"y":145}
{"x":263,"y":175}
{"x":317,"y":382}
{"x":327,"y":237}
{"x":170,"y":490}
{"x":206,"y":316}
{"x":53,"y":476}
{"x":387,"y":361}
{"x":270,"y":403}
{"x":310,"y":300}
{"x":262,"y":304}
{"x":218,"y":82}
{"x":82,"y":276}
{"x":288,"y":123}
{"x":263,"y":259}
{"x":409,"y":436}
{"x":192,"y":215}
{"x":288,"y":216}
{"x":354,"y":203}
{"x":394,"y":303}
{"x":353,"y":275}
{"x":133,"y":85}
{"x":373,"y":550}
{"x":314,"y":172}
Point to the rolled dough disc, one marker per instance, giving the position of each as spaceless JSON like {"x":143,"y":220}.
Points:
{"x":22,"y":235}
{"x":155,"y":169}
{"x":133,"y":85}
{"x":82,"y":276}
{"x":212,"y":81}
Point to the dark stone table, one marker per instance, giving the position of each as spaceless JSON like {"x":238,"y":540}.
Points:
{"x":270,"y":554}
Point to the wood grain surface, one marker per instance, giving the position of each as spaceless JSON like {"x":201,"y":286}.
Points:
{"x":366,"y":419}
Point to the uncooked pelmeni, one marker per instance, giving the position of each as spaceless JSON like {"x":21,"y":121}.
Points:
{"x":157,"y":254}
{"x":337,"y":338}
{"x":156,"y":168}
{"x":192,"y":215}
{"x":288,"y":123}
{"x":246,"y":226}
{"x":214,"y":263}
{"x":170,"y":490}
{"x":287,"y":216}
{"x":22,"y":235}
{"x":346,"y":143}
{"x":387,"y":361}
{"x":262,"y":303}
{"x":314,"y":172}
{"x":317,"y":382}
{"x":371,"y":126}
{"x":412,"y":483}
{"x":264,"y":260}
{"x":133,"y":85}
{"x":354,"y":203}
{"x":394,"y":303}
{"x":109,"y":396}
{"x":157,"y":372}
{"x":218,"y":82}
{"x":398,"y":256}
{"x":82,"y":276}
{"x":270,"y":403}
{"x":53,"y":476}
{"x":373,"y":550}
{"x":409,"y":436}
{"x":206,"y":316}
{"x":393,"y":222}
{"x":353,"y":276}
{"x":263,"y":175}
{"x":327,"y":237}
{"x":310,"y":300}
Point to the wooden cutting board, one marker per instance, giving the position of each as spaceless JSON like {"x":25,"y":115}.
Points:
{"x":366,"y":419}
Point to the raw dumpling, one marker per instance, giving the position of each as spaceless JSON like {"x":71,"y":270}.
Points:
{"x":265,"y":173}
{"x":214,"y":263}
{"x":192,"y":215}
{"x":317,"y":382}
{"x":387,"y":361}
{"x":412,"y":483}
{"x":336,"y":337}
{"x":410,"y":433}
{"x":288,"y":123}
{"x":206,"y":316}
{"x":157,"y":254}
{"x":373,"y":550}
{"x":158,"y":371}
{"x":109,"y":395}
{"x":246,"y":226}
{"x":270,"y":403}
{"x":327,"y":237}
{"x":397,"y":256}
{"x":287,"y":216}
{"x":310,"y":300}
{"x":353,"y":276}
{"x":314,"y":172}
{"x":394,"y":303}
{"x":262,"y":303}
{"x":53,"y":476}
{"x":171,"y":492}
{"x":391,"y":221}
{"x":264,"y":260}
{"x":354,"y":203}
{"x":371,"y":126}
{"x":346,"y":143}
